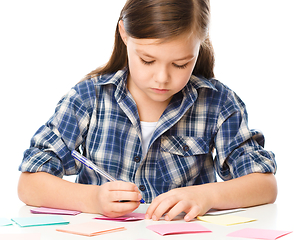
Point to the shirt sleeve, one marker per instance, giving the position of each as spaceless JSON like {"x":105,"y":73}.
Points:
{"x":239,"y":150}
{"x":51,"y":146}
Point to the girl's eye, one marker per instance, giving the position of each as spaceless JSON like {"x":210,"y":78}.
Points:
{"x":176,"y":65}
{"x":146,"y":62}
{"x":180,"y":66}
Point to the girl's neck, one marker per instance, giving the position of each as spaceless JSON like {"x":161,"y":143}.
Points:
{"x":149,"y":111}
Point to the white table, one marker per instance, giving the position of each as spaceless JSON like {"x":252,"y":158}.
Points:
{"x":271,"y":216}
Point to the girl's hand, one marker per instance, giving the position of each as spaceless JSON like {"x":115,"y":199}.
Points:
{"x":194,"y":201}
{"x":114,"y":199}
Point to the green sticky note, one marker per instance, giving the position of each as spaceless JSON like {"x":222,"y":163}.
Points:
{"x":5,"y":222}
{"x":39,"y":221}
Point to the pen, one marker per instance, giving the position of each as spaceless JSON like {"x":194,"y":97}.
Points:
{"x":92,"y":166}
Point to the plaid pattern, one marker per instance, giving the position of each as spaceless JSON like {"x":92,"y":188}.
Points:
{"x":203,"y":131}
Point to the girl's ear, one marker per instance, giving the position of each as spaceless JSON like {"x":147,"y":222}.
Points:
{"x":122,"y":32}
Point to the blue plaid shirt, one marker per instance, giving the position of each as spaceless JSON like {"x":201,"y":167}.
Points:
{"x":203,"y":131}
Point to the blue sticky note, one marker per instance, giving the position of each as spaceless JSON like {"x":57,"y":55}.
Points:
{"x":5,"y":222}
{"x":39,"y":221}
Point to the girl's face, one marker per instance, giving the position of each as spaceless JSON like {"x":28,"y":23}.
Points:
{"x":158,"y":70}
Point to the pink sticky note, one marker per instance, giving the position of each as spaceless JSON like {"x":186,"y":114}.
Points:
{"x":259,"y":233}
{"x":178,"y":228}
{"x":45,"y":210}
{"x":90,"y":229}
{"x":127,"y":217}
{"x":22,"y":236}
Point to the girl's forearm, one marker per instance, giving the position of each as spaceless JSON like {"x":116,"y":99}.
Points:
{"x":250,"y":190}
{"x":44,"y":189}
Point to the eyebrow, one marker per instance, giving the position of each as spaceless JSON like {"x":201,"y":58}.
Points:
{"x":189,"y":57}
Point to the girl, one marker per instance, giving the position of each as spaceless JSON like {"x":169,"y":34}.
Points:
{"x":155,"y":118}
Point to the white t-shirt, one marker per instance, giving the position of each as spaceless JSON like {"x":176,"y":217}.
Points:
{"x":147,"y":131}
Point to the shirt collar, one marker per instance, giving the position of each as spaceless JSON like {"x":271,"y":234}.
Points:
{"x":201,"y":82}
{"x":190,"y":91}
{"x":119,"y":79}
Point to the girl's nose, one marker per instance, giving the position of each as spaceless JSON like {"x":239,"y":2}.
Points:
{"x":162,"y":75}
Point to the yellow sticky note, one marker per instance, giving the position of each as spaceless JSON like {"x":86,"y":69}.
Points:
{"x":225,"y":220}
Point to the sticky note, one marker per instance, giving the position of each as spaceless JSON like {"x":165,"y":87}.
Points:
{"x":225,"y":220}
{"x":45,"y":210}
{"x":127,"y":217}
{"x":90,"y":228}
{"x":178,"y":228}
{"x":39,"y":221}
{"x":5,"y":222}
{"x":213,"y":212}
{"x":23,"y":236}
{"x":258,"y":233}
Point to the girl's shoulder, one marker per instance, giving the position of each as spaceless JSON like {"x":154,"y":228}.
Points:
{"x":85,"y":90}
{"x":215,"y":86}
{"x":220,"y":93}
{"x":92,"y":87}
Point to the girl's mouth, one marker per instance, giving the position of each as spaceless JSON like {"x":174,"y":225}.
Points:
{"x":160,"y":91}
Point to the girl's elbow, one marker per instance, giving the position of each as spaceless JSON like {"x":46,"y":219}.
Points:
{"x":23,"y":188}
{"x":273,"y":188}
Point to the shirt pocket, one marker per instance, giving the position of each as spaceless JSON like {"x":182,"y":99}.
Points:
{"x":184,"y":146}
{"x":182,"y":159}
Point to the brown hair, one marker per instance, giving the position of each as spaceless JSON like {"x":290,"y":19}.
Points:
{"x":163,"y":19}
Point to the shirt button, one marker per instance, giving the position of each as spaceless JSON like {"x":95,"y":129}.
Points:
{"x":142,"y":188}
{"x":137,"y":159}
{"x":186,"y":148}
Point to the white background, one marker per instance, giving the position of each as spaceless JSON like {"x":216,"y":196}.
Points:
{"x":46,"y":47}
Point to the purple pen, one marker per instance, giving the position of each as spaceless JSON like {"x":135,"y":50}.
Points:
{"x":92,"y":166}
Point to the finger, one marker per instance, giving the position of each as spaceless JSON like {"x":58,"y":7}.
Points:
{"x":117,"y":209}
{"x":179,"y":207}
{"x":193,"y":213}
{"x":119,"y":196}
{"x":122,"y":186}
{"x":163,"y":207}
{"x":154,"y":204}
